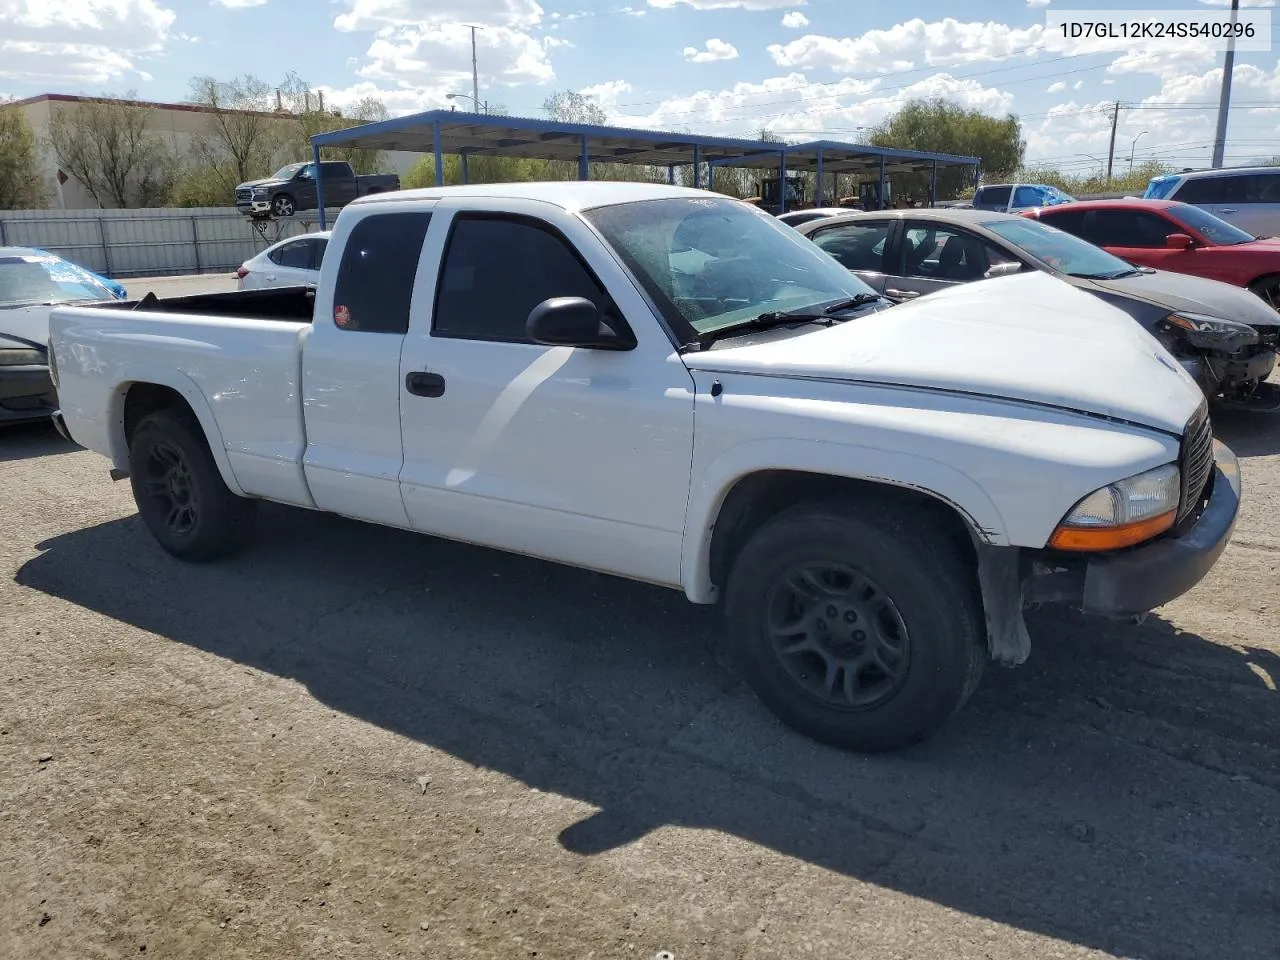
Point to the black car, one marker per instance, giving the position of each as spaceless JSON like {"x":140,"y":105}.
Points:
{"x":1224,"y":336}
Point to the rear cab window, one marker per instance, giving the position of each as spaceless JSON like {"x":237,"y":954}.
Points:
{"x":374,"y":287}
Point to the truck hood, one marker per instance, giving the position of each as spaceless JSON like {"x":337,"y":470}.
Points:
{"x":265,"y":182}
{"x":1183,"y":292}
{"x":1029,"y":338}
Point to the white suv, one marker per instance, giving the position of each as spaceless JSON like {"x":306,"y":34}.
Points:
{"x":1248,"y":197}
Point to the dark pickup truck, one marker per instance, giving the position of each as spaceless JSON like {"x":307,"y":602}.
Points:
{"x":293,"y":188}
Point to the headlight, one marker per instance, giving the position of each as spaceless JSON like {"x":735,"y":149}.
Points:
{"x":1122,"y":514}
{"x":1214,"y":332}
{"x":259,"y":194}
{"x":22,"y":357}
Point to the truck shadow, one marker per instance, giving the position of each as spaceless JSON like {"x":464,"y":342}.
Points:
{"x":1248,"y":434}
{"x":1118,"y":791}
{"x":27,"y":441}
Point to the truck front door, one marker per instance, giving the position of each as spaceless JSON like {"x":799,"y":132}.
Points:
{"x":571,"y":454}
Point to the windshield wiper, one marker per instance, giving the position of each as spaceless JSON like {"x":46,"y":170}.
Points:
{"x":1117,"y":275}
{"x":809,"y":315}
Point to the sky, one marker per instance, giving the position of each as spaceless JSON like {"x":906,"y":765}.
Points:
{"x":803,"y":68}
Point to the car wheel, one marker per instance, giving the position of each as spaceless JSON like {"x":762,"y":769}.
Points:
{"x":857,"y":625}
{"x":283,"y":206}
{"x":180,"y":494}
{"x":1268,"y":288}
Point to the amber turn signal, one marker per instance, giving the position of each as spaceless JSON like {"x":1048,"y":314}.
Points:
{"x":1111,"y":538}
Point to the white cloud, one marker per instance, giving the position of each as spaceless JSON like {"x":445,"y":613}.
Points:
{"x":1037,"y":3}
{"x":606,"y":94}
{"x":799,"y":107}
{"x":1243,"y":3}
{"x":239,"y":4}
{"x":939,"y":43}
{"x":727,"y":4}
{"x":426,"y":44}
{"x":794,"y":20}
{"x":1056,"y":87}
{"x":84,"y":41}
{"x":714,"y":49}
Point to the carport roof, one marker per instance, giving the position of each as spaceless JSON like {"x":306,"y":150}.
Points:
{"x":476,"y":134}
{"x":856,"y":158}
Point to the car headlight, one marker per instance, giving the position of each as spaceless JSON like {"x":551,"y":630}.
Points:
{"x":1204,"y":330}
{"x":259,"y":194}
{"x":1122,"y":513}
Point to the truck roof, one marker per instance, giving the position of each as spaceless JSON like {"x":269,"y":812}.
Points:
{"x":570,"y":195}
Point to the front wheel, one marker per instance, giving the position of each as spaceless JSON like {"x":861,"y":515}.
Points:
{"x":180,"y":494}
{"x":858,"y":626}
{"x":283,"y":206}
{"x":1268,"y":288}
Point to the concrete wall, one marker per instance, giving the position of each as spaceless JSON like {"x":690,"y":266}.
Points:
{"x":180,"y":124}
{"x":155,"y":242}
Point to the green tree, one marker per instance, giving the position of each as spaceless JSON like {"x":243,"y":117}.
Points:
{"x":109,"y":148}
{"x":938,"y":125}
{"x":1134,"y":182}
{"x":311,"y":116}
{"x":21,"y":187}
{"x":569,"y":106}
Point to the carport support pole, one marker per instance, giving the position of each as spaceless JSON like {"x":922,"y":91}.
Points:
{"x":462,"y":159}
{"x":881,"y":197}
{"x":584,"y":162}
{"x":315,"y":158}
{"x":435,"y":136}
{"x":697,"y":167}
{"x":671,"y":174}
{"x":817,"y":193}
{"x":782,"y":182}
{"x":933,"y":185}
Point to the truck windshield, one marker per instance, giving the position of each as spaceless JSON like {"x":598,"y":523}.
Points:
{"x":1062,"y":251}
{"x":713,"y":263}
{"x":289,"y":172}
{"x":29,"y":280}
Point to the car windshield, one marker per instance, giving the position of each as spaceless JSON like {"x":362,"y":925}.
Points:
{"x":1062,"y":251}
{"x":1214,"y":229}
{"x":714,"y":263}
{"x":289,"y":172}
{"x":27,"y":280}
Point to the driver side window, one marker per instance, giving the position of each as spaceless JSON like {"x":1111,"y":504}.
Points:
{"x":496,"y":269}
{"x":945,"y":253}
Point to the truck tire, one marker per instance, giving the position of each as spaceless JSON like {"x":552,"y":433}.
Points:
{"x":180,"y":494}
{"x":857,"y":625}
{"x":283,"y":206}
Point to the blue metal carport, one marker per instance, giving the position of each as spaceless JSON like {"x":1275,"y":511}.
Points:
{"x":441,"y":132}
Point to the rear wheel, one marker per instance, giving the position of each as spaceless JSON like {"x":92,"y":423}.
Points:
{"x":180,"y":494}
{"x":858,"y":626}
{"x":1268,"y":288}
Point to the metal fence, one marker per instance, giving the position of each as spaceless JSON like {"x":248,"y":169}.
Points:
{"x":151,"y":242}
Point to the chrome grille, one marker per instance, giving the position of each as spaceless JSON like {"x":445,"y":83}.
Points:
{"x":244,"y":194}
{"x":1196,"y":461}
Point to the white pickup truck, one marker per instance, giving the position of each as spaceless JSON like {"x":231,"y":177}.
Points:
{"x":670,"y":386}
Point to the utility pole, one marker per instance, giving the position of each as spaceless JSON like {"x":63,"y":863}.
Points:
{"x":1224,"y":102}
{"x":475,"y":70}
{"x":1111,"y":155}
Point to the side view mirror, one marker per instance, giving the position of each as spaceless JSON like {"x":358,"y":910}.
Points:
{"x":574,"y":322}
{"x":1003,"y":270}
{"x":1178,"y":241}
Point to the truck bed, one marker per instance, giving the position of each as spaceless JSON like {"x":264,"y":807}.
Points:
{"x":291,"y":304}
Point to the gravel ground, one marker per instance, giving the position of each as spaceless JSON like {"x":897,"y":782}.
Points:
{"x":354,"y":742}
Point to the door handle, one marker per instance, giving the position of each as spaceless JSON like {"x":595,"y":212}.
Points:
{"x":423,"y":384}
{"x":902,"y":294}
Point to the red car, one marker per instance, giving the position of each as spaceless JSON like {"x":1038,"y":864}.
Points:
{"x":1167,"y":235}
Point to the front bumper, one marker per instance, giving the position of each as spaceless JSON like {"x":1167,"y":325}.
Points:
{"x":254,"y":208}
{"x":1132,"y":582}
{"x":26,"y":394}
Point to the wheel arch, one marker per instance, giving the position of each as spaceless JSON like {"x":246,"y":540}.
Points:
{"x":747,"y":485}
{"x":142,"y":392}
